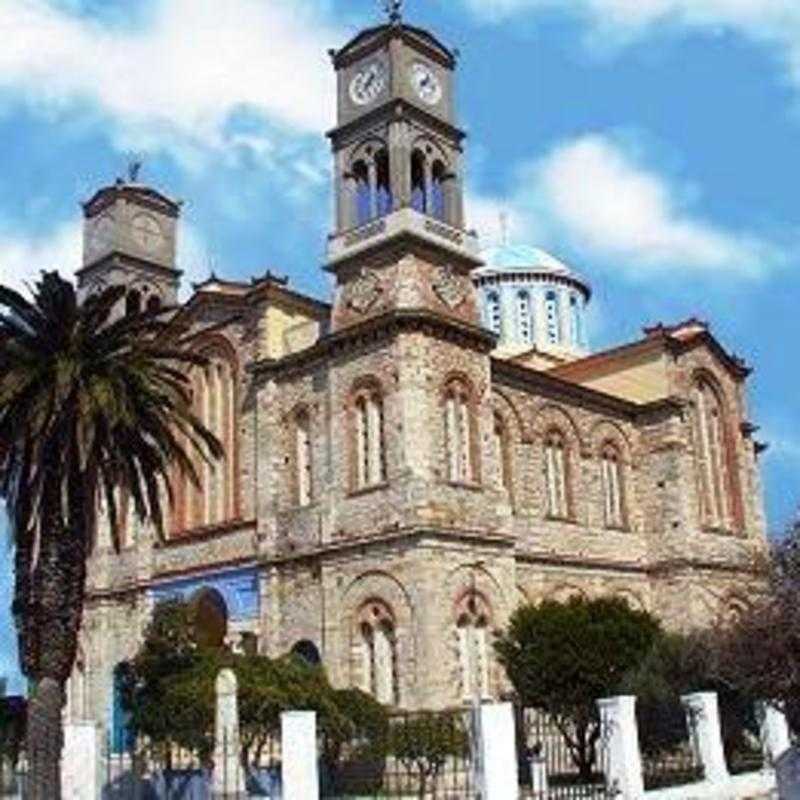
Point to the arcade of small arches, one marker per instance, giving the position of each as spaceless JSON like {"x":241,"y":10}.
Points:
{"x":375,"y":187}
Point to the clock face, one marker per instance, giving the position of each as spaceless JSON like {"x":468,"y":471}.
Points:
{"x":368,"y":84}
{"x":426,"y":84}
{"x":147,"y":232}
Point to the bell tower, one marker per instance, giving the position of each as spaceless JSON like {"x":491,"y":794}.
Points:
{"x":399,"y":238}
{"x":129,"y":238}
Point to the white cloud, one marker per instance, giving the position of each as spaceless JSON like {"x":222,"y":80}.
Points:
{"x":592,"y":195}
{"x":775,"y":23}
{"x":23,"y":257}
{"x":182,"y":78}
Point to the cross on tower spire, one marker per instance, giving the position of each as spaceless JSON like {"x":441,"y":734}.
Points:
{"x":394,"y":8}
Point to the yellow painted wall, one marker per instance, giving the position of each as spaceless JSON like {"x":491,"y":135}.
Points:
{"x":285,"y":331}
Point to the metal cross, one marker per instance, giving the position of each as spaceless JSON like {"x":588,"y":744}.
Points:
{"x":394,"y":8}
{"x":135,"y":164}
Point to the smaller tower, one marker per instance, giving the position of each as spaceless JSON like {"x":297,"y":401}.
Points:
{"x":535,"y":303}
{"x":129,"y":238}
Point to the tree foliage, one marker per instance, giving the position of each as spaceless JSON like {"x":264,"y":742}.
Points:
{"x":562,"y":657}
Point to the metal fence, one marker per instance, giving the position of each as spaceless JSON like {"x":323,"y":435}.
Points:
{"x":147,"y":772}
{"x":559,"y":760}
{"x":412,"y":755}
{"x":666,"y":739}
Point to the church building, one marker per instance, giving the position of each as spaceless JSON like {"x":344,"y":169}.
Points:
{"x":435,"y":445}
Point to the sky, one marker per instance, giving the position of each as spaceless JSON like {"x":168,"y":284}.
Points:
{"x":651,"y":144}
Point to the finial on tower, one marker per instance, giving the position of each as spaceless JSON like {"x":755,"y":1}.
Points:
{"x":135,"y":164}
{"x":394,"y":8}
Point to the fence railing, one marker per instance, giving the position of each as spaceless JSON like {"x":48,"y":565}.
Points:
{"x":558,"y":759}
{"x":666,"y":739}
{"x":413,"y":755}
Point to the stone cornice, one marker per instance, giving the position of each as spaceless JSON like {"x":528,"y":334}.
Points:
{"x":369,"y":331}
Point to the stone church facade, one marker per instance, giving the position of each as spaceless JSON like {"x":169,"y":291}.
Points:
{"x":408,"y":464}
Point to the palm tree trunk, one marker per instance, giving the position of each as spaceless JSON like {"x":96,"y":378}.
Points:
{"x":45,"y":741}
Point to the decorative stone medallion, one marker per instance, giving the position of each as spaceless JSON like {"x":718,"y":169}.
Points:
{"x":364,"y":291}
{"x":449,"y":289}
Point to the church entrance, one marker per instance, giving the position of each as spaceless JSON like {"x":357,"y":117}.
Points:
{"x":210,"y":619}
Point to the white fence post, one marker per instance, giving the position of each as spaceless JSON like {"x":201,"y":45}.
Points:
{"x":498,"y":752}
{"x":703,"y":718}
{"x":299,"y":754}
{"x":228,"y":779}
{"x":775,"y":737}
{"x":80,"y":762}
{"x":620,"y":734}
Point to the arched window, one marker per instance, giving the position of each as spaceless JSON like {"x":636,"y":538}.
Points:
{"x":214,"y":402}
{"x":418,"y":193}
{"x":370,"y":454}
{"x":555,"y":468}
{"x":472,"y":628}
{"x":613,"y":493}
{"x":307,"y":652}
{"x":502,"y":451}
{"x":712,"y":456}
{"x":379,"y":652}
{"x":303,"y":458}
{"x":153,"y":303}
{"x":363,"y":198}
{"x":210,"y":619}
{"x":458,"y":433}
{"x":133,"y":302}
{"x":553,"y":319}
{"x":576,"y":331}
{"x":494,"y":313}
{"x":438,"y":205}
{"x":524,"y":316}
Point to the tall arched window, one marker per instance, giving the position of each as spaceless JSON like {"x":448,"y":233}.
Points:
{"x":524,"y":316}
{"x":553,"y":318}
{"x":472,"y":628}
{"x":494,"y":313}
{"x":133,"y":302}
{"x":370,"y":453}
{"x":576,"y":332}
{"x":613,"y":492}
{"x":418,"y":192}
{"x":363,"y":195}
{"x":712,"y":456}
{"x":502,"y":451}
{"x":555,"y":452}
{"x":303,"y":458}
{"x":214,"y":402}
{"x":438,"y":208}
{"x":153,"y":303}
{"x":383,"y":181}
{"x":458,"y":432}
{"x":379,"y":652}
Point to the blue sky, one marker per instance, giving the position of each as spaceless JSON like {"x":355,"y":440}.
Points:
{"x":653,"y":144}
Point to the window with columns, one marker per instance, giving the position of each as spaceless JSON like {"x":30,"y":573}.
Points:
{"x":525,"y":316}
{"x":472,"y":629}
{"x":369,"y":435}
{"x":556,"y":474}
{"x":553,"y":318}
{"x":613,"y":488}
{"x":458,"y":432}
{"x":428,"y":184}
{"x":715,"y":479}
{"x":303,"y":458}
{"x":378,"y":644}
{"x":371,"y":185}
{"x":214,"y":402}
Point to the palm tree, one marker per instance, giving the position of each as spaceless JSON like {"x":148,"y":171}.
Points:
{"x":93,"y":405}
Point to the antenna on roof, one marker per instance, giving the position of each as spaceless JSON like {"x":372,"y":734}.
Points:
{"x":394,"y":8}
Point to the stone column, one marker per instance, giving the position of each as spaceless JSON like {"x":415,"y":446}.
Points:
{"x":498,"y":752}
{"x":774,"y":733}
{"x":299,"y":754}
{"x":621,"y":736}
{"x":228,"y":783}
{"x":703,"y":719}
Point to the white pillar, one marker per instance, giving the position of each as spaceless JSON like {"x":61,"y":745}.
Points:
{"x":80,"y":762}
{"x":774,"y":733}
{"x":299,"y":754}
{"x":228,"y":780}
{"x":703,"y":719}
{"x":498,"y":752}
{"x":620,"y":734}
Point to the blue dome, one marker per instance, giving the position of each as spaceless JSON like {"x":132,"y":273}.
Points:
{"x":525,"y":258}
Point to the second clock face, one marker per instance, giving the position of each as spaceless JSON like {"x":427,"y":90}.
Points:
{"x":425,"y":83}
{"x":368,"y":83}
{"x":147,"y":232}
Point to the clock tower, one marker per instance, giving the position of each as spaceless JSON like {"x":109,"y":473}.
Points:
{"x":129,"y":238}
{"x":399,"y":240}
